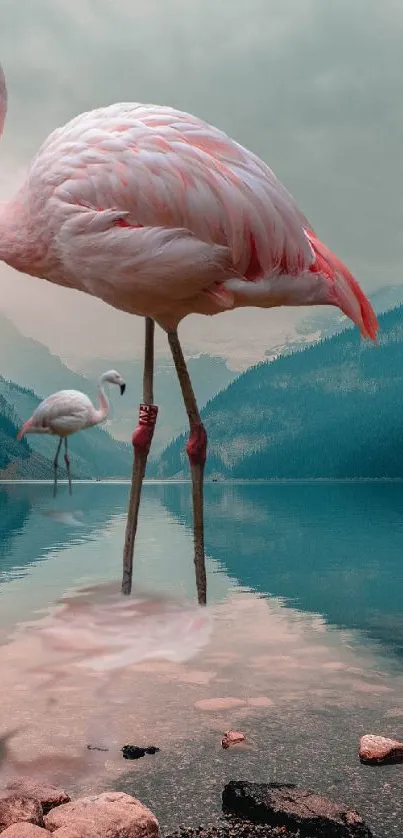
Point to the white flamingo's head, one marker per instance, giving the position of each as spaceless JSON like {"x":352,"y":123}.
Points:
{"x":113,"y":377}
{"x":3,"y":99}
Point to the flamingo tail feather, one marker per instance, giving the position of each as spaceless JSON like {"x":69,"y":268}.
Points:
{"x":348,"y":294}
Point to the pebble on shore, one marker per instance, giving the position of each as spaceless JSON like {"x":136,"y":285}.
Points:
{"x":234,"y":829}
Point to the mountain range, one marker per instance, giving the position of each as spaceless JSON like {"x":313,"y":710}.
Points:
{"x":332,"y":410}
{"x":30,"y":372}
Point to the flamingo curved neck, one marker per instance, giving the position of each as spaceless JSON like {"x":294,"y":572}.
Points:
{"x":103,"y":409}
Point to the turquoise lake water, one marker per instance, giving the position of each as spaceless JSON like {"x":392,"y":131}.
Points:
{"x":302,"y":638}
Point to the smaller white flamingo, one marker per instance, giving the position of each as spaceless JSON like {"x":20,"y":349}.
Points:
{"x":68,"y":411}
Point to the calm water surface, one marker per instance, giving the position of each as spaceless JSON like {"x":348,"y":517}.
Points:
{"x":303,"y":631}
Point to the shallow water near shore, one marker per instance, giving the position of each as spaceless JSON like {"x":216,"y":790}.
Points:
{"x":302,"y":641}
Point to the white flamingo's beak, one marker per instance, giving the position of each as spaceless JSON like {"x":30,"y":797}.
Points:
{"x":122,"y":388}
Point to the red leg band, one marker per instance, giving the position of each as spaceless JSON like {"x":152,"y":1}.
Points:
{"x":143,"y":434}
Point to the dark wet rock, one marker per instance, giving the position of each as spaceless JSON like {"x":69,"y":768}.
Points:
{"x":17,"y":808}
{"x":378,"y":750}
{"x":232,"y":737}
{"x":47,"y":795}
{"x":296,"y":809}
{"x":134,"y":752}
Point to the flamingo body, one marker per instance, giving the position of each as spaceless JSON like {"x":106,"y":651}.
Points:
{"x":62,"y":414}
{"x":162,"y":215}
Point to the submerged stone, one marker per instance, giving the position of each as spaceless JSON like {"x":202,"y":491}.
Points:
{"x":232,"y":737}
{"x":135,"y":752}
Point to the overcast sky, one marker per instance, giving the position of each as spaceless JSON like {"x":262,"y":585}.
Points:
{"x":315,"y":87}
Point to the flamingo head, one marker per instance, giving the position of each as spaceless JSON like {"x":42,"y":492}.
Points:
{"x":113,"y":377}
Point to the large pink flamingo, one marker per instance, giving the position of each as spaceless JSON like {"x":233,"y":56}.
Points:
{"x":162,"y":215}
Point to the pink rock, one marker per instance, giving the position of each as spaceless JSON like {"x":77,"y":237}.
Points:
{"x":48,"y":795}
{"x":18,"y":808}
{"x":108,"y":815}
{"x":379,"y":749}
{"x":25,"y":830}
{"x":219,"y":703}
{"x":232,"y":737}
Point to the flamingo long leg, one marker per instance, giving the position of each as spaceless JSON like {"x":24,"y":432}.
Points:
{"x":196,"y":449}
{"x":55,"y":465}
{"x":67,"y":461}
{"x":142,"y":438}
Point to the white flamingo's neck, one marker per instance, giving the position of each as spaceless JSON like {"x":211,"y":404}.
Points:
{"x":103,"y":408}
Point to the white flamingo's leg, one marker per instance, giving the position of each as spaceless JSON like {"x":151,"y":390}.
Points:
{"x":67,"y":461}
{"x":196,"y":449}
{"x":142,"y":438}
{"x":55,"y":465}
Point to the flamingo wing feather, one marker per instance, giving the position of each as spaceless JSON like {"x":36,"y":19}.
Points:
{"x":162,"y":215}
{"x":64,"y":411}
{"x":164,"y":169}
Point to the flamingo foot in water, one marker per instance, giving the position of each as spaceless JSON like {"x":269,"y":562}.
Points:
{"x":67,"y":461}
{"x":196,"y":450}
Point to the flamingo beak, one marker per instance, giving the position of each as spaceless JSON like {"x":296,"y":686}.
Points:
{"x":122,"y":389}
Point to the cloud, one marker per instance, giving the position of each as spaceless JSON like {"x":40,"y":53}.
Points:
{"x":314,"y":88}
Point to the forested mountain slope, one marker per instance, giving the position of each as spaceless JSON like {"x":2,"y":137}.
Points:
{"x":332,"y":410}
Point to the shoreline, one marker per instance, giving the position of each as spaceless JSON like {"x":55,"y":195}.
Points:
{"x":248,"y":810}
{"x":126,"y":481}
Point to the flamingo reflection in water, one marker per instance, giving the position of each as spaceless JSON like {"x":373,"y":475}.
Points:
{"x":89,"y":644}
